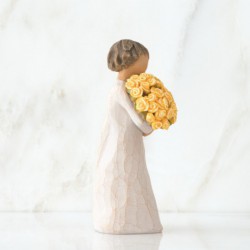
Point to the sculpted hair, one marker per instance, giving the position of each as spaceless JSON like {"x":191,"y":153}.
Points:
{"x":124,"y":53}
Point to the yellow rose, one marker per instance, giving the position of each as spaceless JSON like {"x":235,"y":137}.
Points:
{"x":165,"y":102}
{"x":142,"y":77}
{"x":173,"y":106}
{"x":158,"y":92}
{"x":142,"y":104}
{"x":165,"y":123}
{"x":170,"y":113}
{"x":156,"y":124}
{"x":145,"y":85}
{"x":153,"y":107}
{"x":159,"y":85}
{"x":164,"y":88}
{"x":130,"y":83}
{"x":160,"y":113}
{"x":152,"y":97}
{"x":169,"y":96}
{"x":136,"y":92}
{"x":173,"y":119}
{"x":150,"y":76}
{"x":160,"y":103}
{"x":150,"y":117}
{"x":152,"y":81}
{"x":134,"y":77}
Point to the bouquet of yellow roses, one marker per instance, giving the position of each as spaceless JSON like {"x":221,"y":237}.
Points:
{"x":152,"y":100}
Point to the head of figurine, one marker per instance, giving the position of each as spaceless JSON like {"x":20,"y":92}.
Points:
{"x":128,"y":56}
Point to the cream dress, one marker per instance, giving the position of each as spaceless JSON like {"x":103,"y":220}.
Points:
{"x":123,"y":199}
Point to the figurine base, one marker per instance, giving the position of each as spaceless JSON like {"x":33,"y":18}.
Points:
{"x":148,"y":232}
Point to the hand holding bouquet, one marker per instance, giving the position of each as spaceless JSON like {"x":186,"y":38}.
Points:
{"x":152,"y":100}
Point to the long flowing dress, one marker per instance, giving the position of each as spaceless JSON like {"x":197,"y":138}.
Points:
{"x":123,"y":199}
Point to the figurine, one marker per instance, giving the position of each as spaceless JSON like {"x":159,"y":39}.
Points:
{"x":123,"y":199}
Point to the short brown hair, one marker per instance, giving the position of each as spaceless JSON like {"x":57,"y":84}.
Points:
{"x":124,"y":53}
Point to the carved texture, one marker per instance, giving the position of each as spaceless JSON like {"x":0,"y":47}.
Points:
{"x":123,"y":199}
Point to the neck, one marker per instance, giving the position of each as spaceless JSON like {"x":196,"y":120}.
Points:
{"x":124,"y":75}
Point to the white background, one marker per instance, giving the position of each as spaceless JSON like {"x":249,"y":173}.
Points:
{"x":54,"y":83}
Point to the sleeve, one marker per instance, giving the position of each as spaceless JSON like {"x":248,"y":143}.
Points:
{"x":125,"y":101}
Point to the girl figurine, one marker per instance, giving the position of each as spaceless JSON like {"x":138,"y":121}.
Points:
{"x":123,"y":199}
